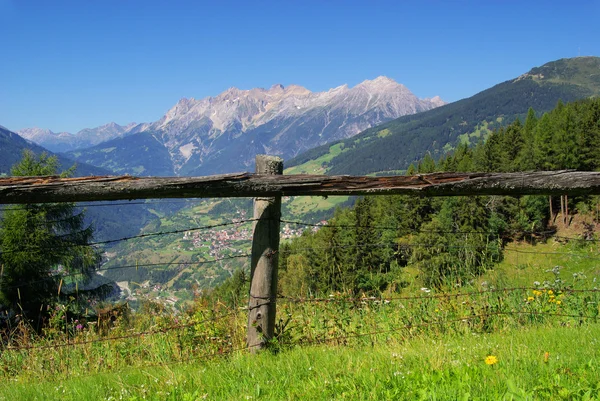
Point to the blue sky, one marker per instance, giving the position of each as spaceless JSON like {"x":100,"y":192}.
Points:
{"x":68,"y":65}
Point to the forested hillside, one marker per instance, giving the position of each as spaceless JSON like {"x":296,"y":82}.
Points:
{"x":394,"y":145}
{"x":449,"y":240}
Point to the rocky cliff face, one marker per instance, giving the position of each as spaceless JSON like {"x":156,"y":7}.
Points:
{"x":224,"y":133}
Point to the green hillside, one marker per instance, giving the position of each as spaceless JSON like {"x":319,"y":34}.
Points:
{"x":394,"y":145}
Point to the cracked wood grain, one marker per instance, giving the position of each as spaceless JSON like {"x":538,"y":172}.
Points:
{"x":55,"y":189}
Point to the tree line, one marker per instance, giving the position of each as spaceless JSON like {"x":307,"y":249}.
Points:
{"x":365,"y":248}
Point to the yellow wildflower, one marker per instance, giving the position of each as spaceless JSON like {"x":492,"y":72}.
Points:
{"x":491,"y":360}
{"x":550,"y":292}
{"x":558,"y":302}
{"x":537,"y":293}
{"x":529,"y":299}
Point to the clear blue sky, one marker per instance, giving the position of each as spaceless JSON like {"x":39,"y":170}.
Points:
{"x":67,"y":65}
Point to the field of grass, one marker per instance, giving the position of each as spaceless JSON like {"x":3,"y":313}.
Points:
{"x":318,"y":165}
{"x":541,"y":363}
{"x":523,"y":264}
{"x":300,"y":205}
{"x":527,"y":330}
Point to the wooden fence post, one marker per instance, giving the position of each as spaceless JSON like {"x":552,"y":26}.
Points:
{"x":263,"y":273}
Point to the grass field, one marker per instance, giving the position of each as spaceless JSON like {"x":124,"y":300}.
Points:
{"x":318,"y":165}
{"x":541,"y":363}
{"x":299,"y":205}
{"x":527,"y":330}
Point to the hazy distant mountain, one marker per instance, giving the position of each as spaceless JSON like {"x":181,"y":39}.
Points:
{"x":224,"y":133}
{"x":13,"y":145}
{"x":64,"y":141}
{"x":109,"y":222}
{"x":394,"y":145}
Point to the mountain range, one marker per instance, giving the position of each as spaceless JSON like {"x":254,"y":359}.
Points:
{"x":391,"y":147}
{"x":340,"y":131}
{"x":64,"y":141}
{"x":355,"y":127}
{"x":224,"y":133}
{"x":13,"y":145}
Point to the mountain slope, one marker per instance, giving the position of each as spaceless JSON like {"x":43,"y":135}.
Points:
{"x":224,"y":133}
{"x":394,"y":145}
{"x":136,"y":154}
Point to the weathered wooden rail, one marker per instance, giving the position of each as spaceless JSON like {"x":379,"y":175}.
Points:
{"x":267,"y":186}
{"x":55,"y":189}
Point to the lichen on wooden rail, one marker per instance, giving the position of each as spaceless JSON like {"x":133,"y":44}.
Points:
{"x":56,"y":189}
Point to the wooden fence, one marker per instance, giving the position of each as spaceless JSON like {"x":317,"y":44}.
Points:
{"x":267,"y":186}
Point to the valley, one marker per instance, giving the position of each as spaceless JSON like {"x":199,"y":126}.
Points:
{"x":462,"y":265}
{"x":217,"y":134}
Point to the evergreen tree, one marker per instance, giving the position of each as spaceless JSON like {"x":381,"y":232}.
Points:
{"x":526,"y":159}
{"x":39,"y":243}
{"x":512,"y":145}
{"x":488,"y":155}
{"x":457,"y":244}
{"x":427,"y":165}
{"x":544,"y":150}
{"x":588,"y":134}
{"x":565,"y":141}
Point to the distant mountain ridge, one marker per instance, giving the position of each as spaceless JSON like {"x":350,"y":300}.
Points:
{"x":64,"y":141}
{"x":224,"y":133}
{"x":392,"y":146}
{"x":13,"y":145}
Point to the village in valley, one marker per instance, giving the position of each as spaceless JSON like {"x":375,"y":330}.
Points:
{"x":207,"y":245}
{"x":222,"y":242}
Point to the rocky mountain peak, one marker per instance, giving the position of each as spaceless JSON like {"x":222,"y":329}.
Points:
{"x":293,"y":119}
{"x":277,"y":88}
{"x":297,"y":90}
{"x":381,"y":84}
{"x":436,"y":101}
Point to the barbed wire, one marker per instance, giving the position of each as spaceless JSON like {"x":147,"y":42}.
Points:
{"x":396,"y":227}
{"x":315,"y":340}
{"x":136,"y":266}
{"x":333,"y":299}
{"x":70,"y":245}
{"x":380,"y":227}
{"x":243,"y":221}
{"x":122,"y":337}
{"x":398,"y":245}
{"x":574,"y":254}
{"x":100,"y":204}
{"x":440,"y":322}
{"x":203,"y":357}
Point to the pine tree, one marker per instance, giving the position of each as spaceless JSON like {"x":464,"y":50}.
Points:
{"x":526,"y":159}
{"x":544,"y":150}
{"x":512,"y":144}
{"x":488,"y":155}
{"x":427,"y":165}
{"x":588,"y":134}
{"x":39,"y":243}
